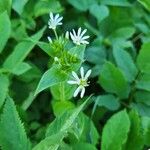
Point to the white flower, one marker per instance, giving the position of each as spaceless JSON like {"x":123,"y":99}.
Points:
{"x":49,"y":39}
{"x":81,"y":82}
{"x":54,"y":21}
{"x":67,"y":35}
{"x":79,"y":38}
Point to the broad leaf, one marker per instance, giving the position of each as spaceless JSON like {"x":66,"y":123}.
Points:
{"x":82,"y":5}
{"x":115,"y":131}
{"x":62,"y":91}
{"x":12,"y":133}
{"x":113,"y":81}
{"x":4,"y":83}
{"x":51,"y":77}
{"x":109,"y":101}
{"x":65,"y":121}
{"x":18,"y":5}
{"x":21,"y":68}
{"x":5,"y":29}
{"x":135,"y":137}
{"x":143,"y":59}
{"x":125,"y":63}
{"x":100,"y":12}
{"x":21,"y":51}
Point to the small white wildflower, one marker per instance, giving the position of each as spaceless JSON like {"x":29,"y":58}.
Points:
{"x":67,"y":35}
{"x":56,"y":59}
{"x":81,"y":82}
{"x":49,"y":39}
{"x":54,"y":21}
{"x":79,"y":38}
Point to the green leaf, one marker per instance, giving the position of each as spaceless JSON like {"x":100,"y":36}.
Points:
{"x":122,"y":33}
{"x":135,"y":137}
{"x":51,"y":77}
{"x":83,"y":146}
{"x":146,"y":130}
{"x":21,"y":51}
{"x":58,"y":129}
{"x":12,"y":133}
{"x":46,"y":6}
{"x":143,"y":59}
{"x":99,"y":11}
{"x":65,"y":121}
{"x":142,"y":109}
{"x":21,"y":68}
{"x":142,"y":97}
{"x":113,"y":81}
{"x":50,"y":143}
{"x":109,"y":101}
{"x":5,"y":5}
{"x":115,"y":131}
{"x":145,"y":3}
{"x":116,"y":2}
{"x":144,"y":82}
{"x":4,"y":84}
{"x":62,"y":91}
{"x":81,"y":5}
{"x":5,"y":29}
{"x":125,"y":63}
{"x":18,"y":5}
{"x":59,"y":107}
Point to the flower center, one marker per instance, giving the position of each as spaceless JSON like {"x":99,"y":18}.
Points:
{"x":83,"y":82}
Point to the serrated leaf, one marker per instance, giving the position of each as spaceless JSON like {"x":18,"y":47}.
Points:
{"x":135,"y":137}
{"x":5,"y":29}
{"x":51,"y":142}
{"x":4,"y":83}
{"x":64,"y":122}
{"x":21,"y":51}
{"x":115,"y":131}
{"x":113,"y":81}
{"x":58,"y":129}
{"x":12,"y":133}
{"x":51,"y":77}
{"x":125,"y":63}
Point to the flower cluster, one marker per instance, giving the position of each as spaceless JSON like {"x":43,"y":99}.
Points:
{"x":77,"y":37}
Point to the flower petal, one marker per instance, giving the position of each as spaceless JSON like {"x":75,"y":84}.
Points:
{"x":72,"y":82}
{"x":75,"y":76}
{"x":79,"y":32}
{"x":82,"y":72}
{"x":77,"y":91}
{"x":83,"y":32}
{"x":87,"y":74}
{"x":82,"y":92}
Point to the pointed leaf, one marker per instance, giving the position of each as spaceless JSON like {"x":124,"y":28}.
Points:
{"x":115,"y":131}
{"x":12,"y":133}
{"x":5,"y":29}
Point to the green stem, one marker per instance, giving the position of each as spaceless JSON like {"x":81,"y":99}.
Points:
{"x":55,"y":34}
{"x":62,"y":91}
